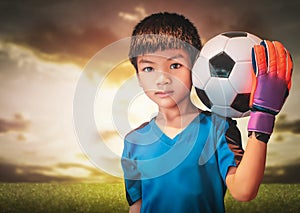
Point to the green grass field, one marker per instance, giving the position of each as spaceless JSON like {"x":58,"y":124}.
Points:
{"x":64,"y":198}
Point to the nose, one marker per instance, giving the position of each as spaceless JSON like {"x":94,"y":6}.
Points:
{"x":163,"y":79}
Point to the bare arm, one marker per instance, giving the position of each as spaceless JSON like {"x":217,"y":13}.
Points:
{"x":243,"y":182}
{"x":136,"y":207}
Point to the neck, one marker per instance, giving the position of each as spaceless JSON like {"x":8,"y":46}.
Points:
{"x":176,"y":111}
{"x":177,"y":117}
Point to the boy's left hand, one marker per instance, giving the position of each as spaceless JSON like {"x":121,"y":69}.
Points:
{"x":272,"y":65}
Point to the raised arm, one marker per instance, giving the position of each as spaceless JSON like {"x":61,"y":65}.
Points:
{"x":272,"y":65}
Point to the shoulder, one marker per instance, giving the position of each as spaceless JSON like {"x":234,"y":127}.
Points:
{"x":218,"y":122}
{"x":225,"y":125}
{"x":137,"y":133}
{"x":139,"y":128}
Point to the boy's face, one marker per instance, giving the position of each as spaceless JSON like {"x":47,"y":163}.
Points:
{"x":165,"y":76}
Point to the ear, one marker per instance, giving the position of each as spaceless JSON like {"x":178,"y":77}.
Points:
{"x":139,"y":79}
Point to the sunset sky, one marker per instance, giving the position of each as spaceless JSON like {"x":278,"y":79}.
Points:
{"x":49,"y":49}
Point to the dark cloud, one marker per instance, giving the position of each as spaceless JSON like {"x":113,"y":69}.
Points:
{"x":58,"y":30}
{"x":232,"y":17}
{"x":251,"y":21}
{"x":66,"y":44}
{"x":92,"y":170}
{"x":284,"y":125}
{"x":18,"y":123}
{"x":78,"y":29}
{"x":282,"y":174}
{"x":263,"y":20}
{"x":12,"y":173}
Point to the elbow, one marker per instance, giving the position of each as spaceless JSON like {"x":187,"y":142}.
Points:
{"x":245,"y":198}
{"x":244,"y":195}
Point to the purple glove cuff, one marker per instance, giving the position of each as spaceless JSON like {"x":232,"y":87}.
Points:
{"x":261,"y":122}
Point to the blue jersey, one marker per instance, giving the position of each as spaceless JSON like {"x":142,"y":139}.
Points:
{"x":182,"y":174}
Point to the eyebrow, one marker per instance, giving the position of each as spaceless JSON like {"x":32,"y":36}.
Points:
{"x":168,"y":59}
{"x":145,"y":61}
{"x":175,"y":57}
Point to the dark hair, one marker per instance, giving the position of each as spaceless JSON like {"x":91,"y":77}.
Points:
{"x":162,"y":31}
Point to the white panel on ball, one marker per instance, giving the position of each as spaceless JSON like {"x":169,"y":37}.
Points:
{"x":244,"y":44}
{"x":219,"y":91}
{"x":254,"y":38}
{"x":241,"y":77}
{"x":200,"y":78}
{"x":214,"y":46}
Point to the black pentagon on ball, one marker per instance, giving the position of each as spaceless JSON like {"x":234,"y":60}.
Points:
{"x":241,"y":102}
{"x":203,"y":97}
{"x":221,"y":65}
{"x":235,"y":34}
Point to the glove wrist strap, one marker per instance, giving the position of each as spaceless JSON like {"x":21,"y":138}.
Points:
{"x":261,"y":122}
{"x":260,"y":136}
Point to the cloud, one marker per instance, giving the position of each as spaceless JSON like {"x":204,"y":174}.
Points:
{"x":55,"y":32}
{"x":74,"y":30}
{"x":21,"y":137}
{"x":119,"y":74}
{"x":217,"y":18}
{"x":18,"y":123}
{"x":251,"y":21}
{"x":93,"y":172}
{"x":133,"y":17}
{"x":15,"y":173}
{"x":53,"y":42}
{"x":12,"y":173}
{"x":282,"y":174}
{"x":106,"y":135}
{"x":284,"y":125}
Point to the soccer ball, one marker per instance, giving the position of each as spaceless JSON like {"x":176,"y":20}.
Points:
{"x":222,"y":74}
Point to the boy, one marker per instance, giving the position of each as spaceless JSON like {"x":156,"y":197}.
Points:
{"x":182,"y":160}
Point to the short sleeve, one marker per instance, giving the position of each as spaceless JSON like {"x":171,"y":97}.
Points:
{"x":234,"y":141}
{"x":131,"y":176}
{"x":225,"y":157}
{"x":229,"y":147}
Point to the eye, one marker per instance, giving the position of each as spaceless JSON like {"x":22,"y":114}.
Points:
{"x":175,"y":66}
{"x":147,"y":69}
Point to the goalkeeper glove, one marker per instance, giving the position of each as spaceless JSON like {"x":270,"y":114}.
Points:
{"x":272,"y":66}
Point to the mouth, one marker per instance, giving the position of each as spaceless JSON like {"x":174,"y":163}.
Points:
{"x":164,"y":94}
